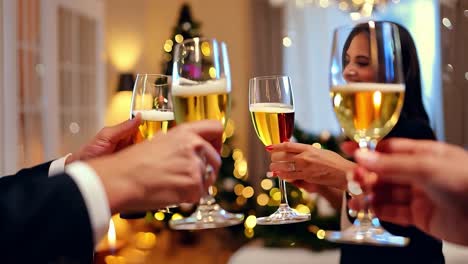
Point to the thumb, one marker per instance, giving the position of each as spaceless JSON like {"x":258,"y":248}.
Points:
{"x":120,"y":131}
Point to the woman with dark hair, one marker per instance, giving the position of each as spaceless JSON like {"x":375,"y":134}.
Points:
{"x":324,"y":171}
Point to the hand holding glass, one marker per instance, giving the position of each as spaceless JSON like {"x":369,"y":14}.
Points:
{"x":201,"y":90}
{"x":367,"y":91}
{"x":272,"y":111}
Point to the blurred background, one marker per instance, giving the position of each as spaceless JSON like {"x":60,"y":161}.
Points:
{"x":67,"y":68}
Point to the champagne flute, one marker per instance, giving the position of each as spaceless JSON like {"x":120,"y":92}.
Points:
{"x":272,"y":111}
{"x":367,"y":88}
{"x":152,"y":100}
{"x":201,"y":90}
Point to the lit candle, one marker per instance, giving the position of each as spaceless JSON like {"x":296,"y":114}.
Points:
{"x":108,"y":246}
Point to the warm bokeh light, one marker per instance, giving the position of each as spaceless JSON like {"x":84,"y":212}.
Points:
{"x":119,"y":108}
{"x":124,"y":51}
{"x":263,"y":199}
{"x":303,"y":209}
{"x":115,"y":260}
{"x":273,"y":191}
{"x":179,"y":38}
{"x":324,"y":3}
{"x":242,"y":167}
{"x":237,"y":154}
{"x":238,"y":189}
{"x":250,"y":222}
{"x":287,"y":42}
{"x":159,"y":216}
{"x":343,"y":6}
{"x":205,"y":49}
{"x":266,"y":184}
{"x":241,"y":200}
{"x":294,"y":194}
{"x":248,"y":192}
{"x":176,"y":216}
{"x":145,"y":240}
{"x":212,"y":72}
{"x":249,"y":232}
{"x":276,"y":196}
{"x":321,"y":234}
{"x":317,"y":145}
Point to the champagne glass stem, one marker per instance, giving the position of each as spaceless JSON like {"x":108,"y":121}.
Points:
{"x":365,"y":215}
{"x":284,"y":194}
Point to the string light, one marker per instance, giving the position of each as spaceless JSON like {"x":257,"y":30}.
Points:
{"x":263,"y":199}
{"x":287,"y":42}
{"x":249,"y":233}
{"x":248,"y":192}
{"x":321,"y":234}
{"x":447,"y":23}
{"x":176,"y":216}
{"x":159,"y":216}
{"x":266,"y":184}
{"x":250,"y":222}
{"x":179,"y":38}
{"x":238,"y":188}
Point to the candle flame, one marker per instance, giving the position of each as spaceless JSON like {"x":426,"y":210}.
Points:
{"x":111,"y":236}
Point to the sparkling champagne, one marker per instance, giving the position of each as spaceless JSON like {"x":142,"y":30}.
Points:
{"x":153,"y":121}
{"x":273,"y":122}
{"x":194,"y":102}
{"x":367,"y":110}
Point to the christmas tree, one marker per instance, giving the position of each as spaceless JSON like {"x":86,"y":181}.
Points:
{"x":186,"y":28}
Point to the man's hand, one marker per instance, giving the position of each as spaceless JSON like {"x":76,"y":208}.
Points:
{"x":108,"y":140}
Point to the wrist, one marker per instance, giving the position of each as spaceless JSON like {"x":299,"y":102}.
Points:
{"x":120,"y":191}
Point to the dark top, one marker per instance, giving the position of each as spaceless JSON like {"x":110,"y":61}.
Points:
{"x":422,"y":247}
{"x":43,"y":220}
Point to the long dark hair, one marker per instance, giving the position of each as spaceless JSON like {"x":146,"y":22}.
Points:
{"x":413,"y":107}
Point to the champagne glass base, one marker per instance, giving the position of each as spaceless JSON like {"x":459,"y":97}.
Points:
{"x":284,"y":215}
{"x":373,"y":235}
{"x":207,"y":216}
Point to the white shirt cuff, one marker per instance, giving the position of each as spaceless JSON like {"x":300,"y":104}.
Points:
{"x":58,"y":166}
{"x":94,"y":195}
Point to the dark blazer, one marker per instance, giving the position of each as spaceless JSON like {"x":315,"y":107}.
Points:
{"x":422,"y":248}
{"x":42,"y":219}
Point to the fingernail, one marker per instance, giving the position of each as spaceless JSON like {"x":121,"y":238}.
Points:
{"x":269,"y":148}
{"x":367,"y":156}
{"x":269,"y":174}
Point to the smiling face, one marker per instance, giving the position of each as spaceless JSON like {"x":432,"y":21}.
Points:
{"x":357,"y":64}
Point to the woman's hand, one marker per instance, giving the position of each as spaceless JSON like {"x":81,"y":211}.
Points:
{"x":308,"y":165}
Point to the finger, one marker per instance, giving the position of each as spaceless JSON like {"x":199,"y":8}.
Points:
{"x":210,"y":154}
{"x":392,"y":194}
{"x":121,"y":131}
{"x":283,"y":166}
{"x":398,"y":214}
{"x":349,"y":147}
{"x":209,"y":130}
{"x":408,"y":146}
{"x":288,"y":147}
{"x":282,"y":156}
{"x":288,"y":176}
{"x":396,"y":168}
{"x":310,"y":187}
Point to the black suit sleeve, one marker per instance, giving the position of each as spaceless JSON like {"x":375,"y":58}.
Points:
{"x":43,"y":219}
{"x":40,"y":171}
